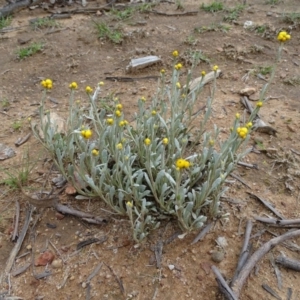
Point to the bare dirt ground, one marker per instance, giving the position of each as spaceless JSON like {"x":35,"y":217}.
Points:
{"x":74,"y":53}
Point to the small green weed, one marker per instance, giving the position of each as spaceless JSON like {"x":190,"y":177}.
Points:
{"x":265,"y":70}
{"x":4,"y":22}
{"x":41,"y":23}
{"x":261,"y":29}
{"x":18,"y":176}
{"x":111,"y":34}
{"x":16,"y":125}
{"x":292,"y":18}
{"x":213,"y":27}
{"x":122,"y":15}
{"x":29,"y":50}
{"x":191,"y":40}
{"x":145,"y":7}
{"x":179,"y":5}
{"x":212,"y":8}
{"x":233,"y":13}
{"x":5,"y":103}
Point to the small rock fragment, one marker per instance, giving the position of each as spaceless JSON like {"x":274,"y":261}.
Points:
{"x":247,"y":91}
{"x":57,"y":263}
{"x":217,"y":256}
{"x":45,"y":258}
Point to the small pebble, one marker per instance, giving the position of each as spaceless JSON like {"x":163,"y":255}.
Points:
{"x":217,"y":256}
{"x":84,"y":285}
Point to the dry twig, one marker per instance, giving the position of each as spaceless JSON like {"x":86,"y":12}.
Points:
{"x":257,"y":256}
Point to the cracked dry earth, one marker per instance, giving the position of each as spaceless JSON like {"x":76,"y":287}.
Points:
{"x":130,"y":271}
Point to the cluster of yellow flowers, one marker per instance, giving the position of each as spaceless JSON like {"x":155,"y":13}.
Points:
{"x":178,"y":85}
{"x":110,"y":121}
{"x":242,"y":132}
{"x":259,"y":104}
{"x":175,"y":53}
{"x":123,"y":123}
{"x":203,"y":73}
{"x":73,"y":85}
{"x":47,"y":84}
{"x":147,"y":141}
{"x":88,"y":89}
{"x":215,"y":68}
{"x":165,"y":141}
{"x":178,"y":66}
{"x":283,"y":36}
{"x":86,"y":133}
{"x":95,"y":152}
{"x":182,"y":164}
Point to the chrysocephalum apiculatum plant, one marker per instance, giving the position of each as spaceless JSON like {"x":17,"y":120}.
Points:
{"x":151,"y":168}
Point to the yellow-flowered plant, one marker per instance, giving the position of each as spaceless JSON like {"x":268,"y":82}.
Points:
{"x":73,"y":85}
{"x":47,"y":84}
{"x":165,"y":162}
{"x":283,"y":36}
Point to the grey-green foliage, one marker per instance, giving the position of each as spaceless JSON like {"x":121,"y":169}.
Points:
{"x":141,"y":179}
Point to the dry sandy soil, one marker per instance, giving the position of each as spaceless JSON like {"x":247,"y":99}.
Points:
{"x":74,"y":53}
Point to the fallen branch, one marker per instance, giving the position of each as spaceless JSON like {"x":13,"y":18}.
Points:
{"x":240,"y":180}
{"x":129,"y":79}
{"x":244,"y":253}
{"x":257,"y":256}
{"x":273,"y":221}
{"x":16,"y":223}
{"x":16,"y":6}
{"x":267,"y":204}
{"x":17,"y":246}
{"x":119,"y":281}
{"x":223,"y":286}
{"x":178,"y":14}
{"x":289,"y":263}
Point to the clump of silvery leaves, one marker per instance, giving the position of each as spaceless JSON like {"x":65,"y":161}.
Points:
{"x":164,"y":164}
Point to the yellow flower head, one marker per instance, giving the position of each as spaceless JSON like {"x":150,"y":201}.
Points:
{"x":118,"y":113}
{"x":73,"y":85}
{"x":249,"y":125}
{"x":143,"y":99}
{"x":165,"y":141}
{"x":88,"y":89}
{"x":47,"y":84}
{"x":95,"y":152}
{"x":110,"y":121}
{"x":203,"y":73}
{"x":129,"y":204}
{"x":175,"y":53}
{"x":178,"y":85}
{"x":147,"y":141}
{"x":101,"y":83}
{"x":29,"y":119}
{"x":242,"y":132}
{"x":211,"y":142}
{"x":123,"y":123}
{"x":259,"y":104}
{"x":162,"y":71}
{"x":153,"y":112}
{"x":182,"y":164}
{"x":283,"y":36}
{"x":237,"y":115}
{"x":77,"y":101}
{"x":119,"y":106}
{"x":178,"y":66}
{"x":119,"y":146}
{"x":215,"y":68}
{"x":86,"y":133}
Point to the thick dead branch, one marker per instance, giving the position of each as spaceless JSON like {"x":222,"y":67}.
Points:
{"x":16,"y":6}
{"x":257,"y":256}
{"x":289,"y":263}
{"x":223,"y":286}
{"x":273,"y":221}
{"x":187,"y":13}
{"x":244,"y":253}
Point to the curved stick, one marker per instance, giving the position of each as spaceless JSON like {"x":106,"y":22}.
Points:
{"x":257,"y":256}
